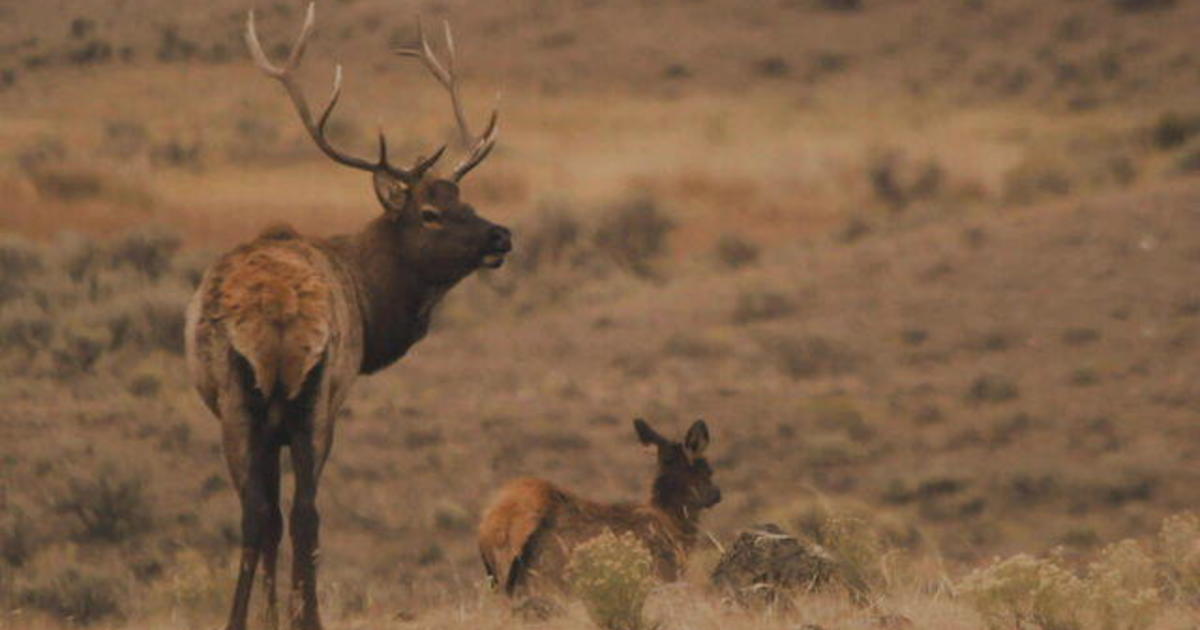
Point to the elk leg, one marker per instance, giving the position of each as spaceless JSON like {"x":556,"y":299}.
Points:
{"x":272,"y":534}
{"x":245,"y":455}
{"x":304,"y":524}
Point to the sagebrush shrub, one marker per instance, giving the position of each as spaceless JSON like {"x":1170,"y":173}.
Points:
{"x":1022,"y":590}
{"x":734,"y":252}
{"x":810,"y":356}
{"x":24,"y":325}
{"x":552,"y":238}
{"x":194,"y":584}
{"x":755,"y":306}
{"x":634,"y":234}
{"x":110,"y":505}
{"x":19,"y":259}
{"x":82,"y":597}
{"x":613,"y":575}
{"x":856,"y":545}
{"x":65,"y":310}
{"x":1179,"y":541}
{"x":17,"y":538}
{"x":1123,"y":587}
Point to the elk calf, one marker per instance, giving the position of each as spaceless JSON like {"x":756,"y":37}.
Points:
{"x":527,"y":535}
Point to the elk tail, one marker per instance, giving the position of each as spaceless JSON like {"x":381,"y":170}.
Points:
{"x":518,"y":572}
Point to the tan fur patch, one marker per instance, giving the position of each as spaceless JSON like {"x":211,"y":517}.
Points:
{"x":514,"y":516}
{"x":275,"y":304}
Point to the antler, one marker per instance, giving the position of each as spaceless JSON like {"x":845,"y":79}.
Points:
{"x":478,"y":147}
{"x":317,"y":130}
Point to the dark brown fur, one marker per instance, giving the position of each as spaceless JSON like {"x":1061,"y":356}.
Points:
{"x":527,"y":535}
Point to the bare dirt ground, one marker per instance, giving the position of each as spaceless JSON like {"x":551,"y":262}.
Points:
{"x":929,"y":263}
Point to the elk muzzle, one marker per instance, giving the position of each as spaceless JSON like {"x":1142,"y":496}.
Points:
{"x":499,"y":243}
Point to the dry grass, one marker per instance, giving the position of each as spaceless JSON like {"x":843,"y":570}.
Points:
{"x":924,"y":266}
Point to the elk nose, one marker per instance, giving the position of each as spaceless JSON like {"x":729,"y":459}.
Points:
{"x":499,"y":238}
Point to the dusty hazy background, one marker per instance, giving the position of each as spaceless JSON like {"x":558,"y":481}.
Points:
{"x":928,"y":261}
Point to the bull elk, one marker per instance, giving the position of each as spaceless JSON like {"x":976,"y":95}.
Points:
{"x":527,"y":534}
{"x":280,"y":327}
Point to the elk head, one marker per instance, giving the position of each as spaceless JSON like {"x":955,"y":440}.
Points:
{"x":684,"y":479}
{"x":432,"y":228}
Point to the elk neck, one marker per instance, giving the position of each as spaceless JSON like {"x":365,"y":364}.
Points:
{"x":668,"y":498}
{"x":396,"y":301}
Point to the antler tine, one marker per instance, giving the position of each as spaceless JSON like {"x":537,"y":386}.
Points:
{"x":443,"y":73}
{"x":423,"y":164}
{"x":480,"y":147}
{"x":316,"y":130}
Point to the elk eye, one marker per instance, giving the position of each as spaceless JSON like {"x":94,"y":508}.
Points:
{"x":429,"y":215}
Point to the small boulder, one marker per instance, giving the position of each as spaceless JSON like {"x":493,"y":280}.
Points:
{"x":765,"y":565}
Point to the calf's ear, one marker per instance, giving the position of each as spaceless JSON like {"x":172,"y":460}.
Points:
{"x":696,"y":439}
{"x":647,"y":435}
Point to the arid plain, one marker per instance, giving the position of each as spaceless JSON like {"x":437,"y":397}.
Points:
{"x":923,"y":266}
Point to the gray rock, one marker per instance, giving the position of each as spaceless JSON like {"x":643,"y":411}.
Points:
{"x":765,"y":566}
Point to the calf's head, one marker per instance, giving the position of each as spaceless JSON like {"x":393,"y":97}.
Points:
{"x":684,"y":478}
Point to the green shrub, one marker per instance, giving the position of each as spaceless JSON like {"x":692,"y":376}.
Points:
{"x":1123,"y":588}
{"x":1024,"y":590}
{"x":552,"y":238}
{"x":1142,"y":5}
{"x":19,"y":259}
{"x":1179,"y":543}
{"x":17,"y":542}
{"x":152,"y":321}
{"x":144,"y":385}
{"x":110,"y":505}
{"x":612,"y":575}
{"x":149,"y":251}
{"x":146,"y":251}
{"x":810,"y":356}
{"x":734,"y":252}
{"x":756,"y":306}
{"x":634,"y":234}
{"x":858,"y":549}
{"x":1037,"y":177}
{"x":992,"y":388}
{"x":24,"y":325}
{"x":81,"y":597}
{"x":78,"y":344}
{"x":195,"y":585}
{"x":1173,"y":130}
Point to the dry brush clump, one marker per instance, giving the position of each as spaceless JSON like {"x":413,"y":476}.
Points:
{"x":562,"y":252}
{"x":735,"y":252}
{"x":99,"y":542}
{"x":69,"y":308}
{"x":109,"y":505}
{"x":1179,"y":545}
{"x":78,"y":595}
{"x":1127,"y":587}
{"x":1025,"y":590}
{"x":860,"y":553}
{"x":613,"y":575}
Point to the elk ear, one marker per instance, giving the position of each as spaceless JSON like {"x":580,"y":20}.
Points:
{"x":696,"y":439}
{"x":392,"y":193}
{"x":647,"y":435}
{"x":443,"y":193}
